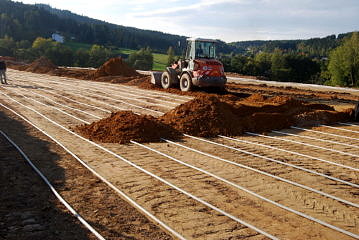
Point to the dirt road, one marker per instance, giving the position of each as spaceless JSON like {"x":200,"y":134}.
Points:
{"x":291,"y":184}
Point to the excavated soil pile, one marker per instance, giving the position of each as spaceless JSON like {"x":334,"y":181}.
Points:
{"x":204,"y":116}
{"x":123,"y":126}
{"x":114,"y":70}
{"x":115,"y":67}
{"x":322,"y":117}
{"x":44,"y":65}
{"x":40,"y":65}
{"x":208,"y":116}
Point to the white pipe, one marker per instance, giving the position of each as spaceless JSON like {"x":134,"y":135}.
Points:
{"x":53,"y":190}
{"x":147,"y":172}
{"x":349,"y":124}
{"x":65,"y":106}
{"x":279,"y":162}
{"x":341,"y":129}
{"x":58,"y":109}
{"x":116,"y":100}
{"x":113,"y":90}
{"x":85,"y":104}
{"x":317,"y":139}
{"x":250,"y":192}
{"x":136,"y":205}
{"x":324,"y":133}
{"x":306,"y":144}
{"x":260,"y":172}
{"x":121,"y":96}
{"x":291,"y":152}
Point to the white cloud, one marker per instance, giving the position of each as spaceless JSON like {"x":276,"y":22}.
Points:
{"x":195,"y":6}
{"x":229,"y":20}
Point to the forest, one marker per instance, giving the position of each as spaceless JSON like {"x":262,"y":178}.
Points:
{"x":27,"y":22}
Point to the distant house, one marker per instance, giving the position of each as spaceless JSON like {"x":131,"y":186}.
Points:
{"x":57,"y":37}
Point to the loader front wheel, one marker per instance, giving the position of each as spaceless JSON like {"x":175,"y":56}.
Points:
{"x":186,"y":83}
{"x":166,"y":80}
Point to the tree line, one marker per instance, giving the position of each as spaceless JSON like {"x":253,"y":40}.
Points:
{"x":62,"y":55}
{"x":314,"y":47}
{"x":341,"y":67}
{"x":27,"y":22}
{"x":276,"y":66}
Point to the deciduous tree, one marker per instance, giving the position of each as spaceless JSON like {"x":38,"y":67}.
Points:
{"x":344,"y":62}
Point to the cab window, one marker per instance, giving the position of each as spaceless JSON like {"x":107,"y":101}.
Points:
{"x":205,"y":50}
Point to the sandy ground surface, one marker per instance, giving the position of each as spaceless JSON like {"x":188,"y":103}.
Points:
{"x":30,"y":211}
{"x":116,"y":219}
{"x":251,"y":80}
{"x":338,"y":100}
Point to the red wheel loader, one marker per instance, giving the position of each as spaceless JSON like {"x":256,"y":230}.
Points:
{"x":200,"y":68}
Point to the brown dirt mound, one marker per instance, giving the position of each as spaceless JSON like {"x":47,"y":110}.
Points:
{"x":123,"y":126}
{"x":115,"y":67}
{"x":320,"y":117}
{"x":284,"y":100}
{"x":203,"y":116}
{"x":255,"y":98}
{"x":208,"y":116}
{"x":138,"y":81}
{"x":114,"y":70}
{"x":40,"y":65}
{"x":263,"y":122}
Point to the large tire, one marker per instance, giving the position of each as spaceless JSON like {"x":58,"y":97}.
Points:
{"x":166,"y":80}
{"x":186,"y":83}
{"x":356,"y":112}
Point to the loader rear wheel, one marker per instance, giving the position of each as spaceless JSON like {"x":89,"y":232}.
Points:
{"x":356,"y":112}
{"x":166,"y":80}
{"x":186,"y":83}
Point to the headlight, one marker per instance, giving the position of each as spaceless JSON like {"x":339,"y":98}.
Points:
{"x":205,"y":68}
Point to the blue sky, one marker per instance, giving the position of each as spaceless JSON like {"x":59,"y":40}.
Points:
{"x":228,"y":20}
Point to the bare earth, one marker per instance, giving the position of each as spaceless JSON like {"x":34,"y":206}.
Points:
{"x":115,"y":218}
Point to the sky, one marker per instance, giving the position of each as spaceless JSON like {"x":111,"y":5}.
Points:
{"x":228,"y":20}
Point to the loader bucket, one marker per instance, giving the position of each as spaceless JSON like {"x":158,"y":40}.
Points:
{"x":156,"y":78}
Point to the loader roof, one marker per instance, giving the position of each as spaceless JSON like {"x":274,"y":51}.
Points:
{"x":201,"y":40}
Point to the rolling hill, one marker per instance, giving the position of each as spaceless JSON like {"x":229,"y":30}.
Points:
{"x":26,"y":22}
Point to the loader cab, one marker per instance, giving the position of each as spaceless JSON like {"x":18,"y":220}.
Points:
{"x":199,"y":48}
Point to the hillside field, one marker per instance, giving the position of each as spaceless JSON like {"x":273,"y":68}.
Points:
{"x":159,"y":59}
